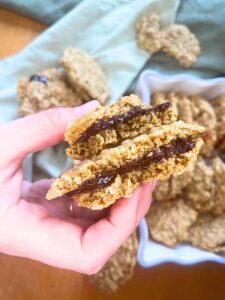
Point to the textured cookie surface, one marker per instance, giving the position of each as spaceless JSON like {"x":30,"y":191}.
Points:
{"x":120,"y":267}
{"x":193,"y":109}
{"x":219,"y":106}
{"x":45,"y":90}
{"x":109,"y":126}
{"x":218,"y":167}
{"x":85,"y":75}
{"x":148,"y":33}
{"x":173,"y":186}
{"x":180,"y":43}
{"x":209,"y":235}
{"x":168,"y":221}
{"x":116,"y":172}
{"x":199,"y":193}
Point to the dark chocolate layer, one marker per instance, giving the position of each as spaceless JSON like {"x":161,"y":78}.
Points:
{"x":118,"y":119}
{"x":175,"y":148}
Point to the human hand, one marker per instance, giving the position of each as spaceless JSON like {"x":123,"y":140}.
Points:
{"x":32,"y":227}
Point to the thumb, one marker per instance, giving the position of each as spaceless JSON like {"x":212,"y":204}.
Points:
{"x":38,"y":131}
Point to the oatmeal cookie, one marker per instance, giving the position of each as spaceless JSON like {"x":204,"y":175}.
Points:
{"x":219,"y":107}
{"x":169,"y":221}
{"x":179,"y":42}
{"x":148,"y":33}
{"x":45,"y":90}
{"x":208,"y":235}
{"x":199,"y":192}
{"x":85,"y":75}
{"x":120,"y":267}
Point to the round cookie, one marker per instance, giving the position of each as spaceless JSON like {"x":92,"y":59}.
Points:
{"x":181,"y":102}
{"x":199,"y":192}
{"x":219,"y":186}
{"x":120,"y":267}
{"x":204,"y":115}
{"x":173,"y":186}
{"x":219,"y":107}
{"x":148,"y":33}
{"x":85,"y":75}
{"x":209,"y":235}
{"x":169,"y":221}
{"x":45,"y":90}
{"x":180,"y":43}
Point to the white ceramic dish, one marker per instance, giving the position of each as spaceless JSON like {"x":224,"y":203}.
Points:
{"x":151,"y":253}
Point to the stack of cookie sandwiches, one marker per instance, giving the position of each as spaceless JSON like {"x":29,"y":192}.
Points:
{"x":122,"y":146}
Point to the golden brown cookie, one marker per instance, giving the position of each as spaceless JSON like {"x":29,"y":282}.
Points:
{"x":45,"y":90}
{"x":204,"y":115}
{"x":169,"y":221}
{"x":208,"y":235}
{"x":199,"y":192}
{"x":118,"y":171}
{"x":109,"y":126}
{"x":173,"y":186}
{"x":148,"y":33}
{"x":219,"y":106}
{"x":181,"y":102}
{"x":179,"y":42}
{"x":218,"y":167}
{"x":85,"y":75}
{"x":120,"y":267}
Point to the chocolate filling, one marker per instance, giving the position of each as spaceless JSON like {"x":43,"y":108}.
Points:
{"x":39,"y":78}
{"x":176,"y":147}
{"x":113,"y":121}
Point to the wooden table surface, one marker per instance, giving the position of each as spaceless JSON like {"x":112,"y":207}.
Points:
{"x":22,"y":279}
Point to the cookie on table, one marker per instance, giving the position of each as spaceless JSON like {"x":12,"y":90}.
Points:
{"x":117,"y":172}
{"x":199,"y":192}
{"x":173,"y":186}
{"x":148,"y":33}
{"x":218,"y":167}
{"x":219,"y":107}
{"x":120,"y":267}
{"x":169,"y":221}
{"x":208,"y":235}
{"x":45,"y":90}
{"x":85,"y":75}
{"x":180,"y":43}
{"x":109,"y":126}
{"x":204,"y":115}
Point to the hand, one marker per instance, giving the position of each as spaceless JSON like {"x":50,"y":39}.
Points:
{"x":33,"y":227}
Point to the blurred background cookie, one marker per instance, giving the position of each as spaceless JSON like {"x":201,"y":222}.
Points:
{"x":180,"y":43}
{"x":85,"y":75}
{"x":219,"y":107}
{"x":169,"y":221}
{"x":45,"y":90}
{"x":199,"y":192}
{"x":120,"y":267}
{"x":219,"y":185}
{"x":173,"y":186}
{"x":208,"y":235}
{"x":148,"y":33}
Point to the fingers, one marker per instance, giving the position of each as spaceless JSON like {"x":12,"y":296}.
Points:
{"x":38,"y":131}
{"x":108,"y":234}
